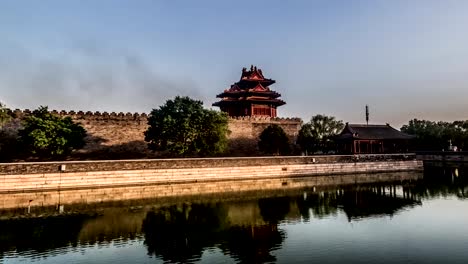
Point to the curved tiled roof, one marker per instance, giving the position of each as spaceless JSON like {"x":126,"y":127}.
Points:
{"x":372,"y":132}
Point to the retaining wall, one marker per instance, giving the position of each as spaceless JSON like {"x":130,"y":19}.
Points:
{"x":47,"y":176}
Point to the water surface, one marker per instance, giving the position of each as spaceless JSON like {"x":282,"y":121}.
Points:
{"x":423,"y":221}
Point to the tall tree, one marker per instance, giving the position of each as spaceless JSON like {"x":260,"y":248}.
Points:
{"x":4,"y":114}
{"x":317,"y":135}
{"x":183,"y":127}
{"x":432,"y":135}
{"x":50,"y":136}
{"x":8,"y":135}
{"x":273,"y":140}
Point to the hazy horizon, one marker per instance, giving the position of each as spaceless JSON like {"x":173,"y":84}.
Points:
{"x":404,"y":59}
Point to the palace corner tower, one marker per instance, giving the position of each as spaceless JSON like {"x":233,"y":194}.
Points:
{"x":250,"y":96}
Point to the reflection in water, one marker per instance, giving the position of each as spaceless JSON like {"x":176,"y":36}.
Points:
{"x":246,"y":230}
{"x":441,"y":182}
{"x":180,"y":233}
{"x":40,"y":234}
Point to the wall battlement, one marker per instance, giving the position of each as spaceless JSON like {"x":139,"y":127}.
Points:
{"x":88,"y":115}
{"x":97,"y":115}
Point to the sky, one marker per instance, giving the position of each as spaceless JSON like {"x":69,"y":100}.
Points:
{"x":405,"y":59}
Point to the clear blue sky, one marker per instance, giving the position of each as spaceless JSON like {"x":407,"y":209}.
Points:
{"x":405,"y":59}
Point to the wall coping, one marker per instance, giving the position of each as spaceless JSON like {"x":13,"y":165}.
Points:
{"x":217,"y":158}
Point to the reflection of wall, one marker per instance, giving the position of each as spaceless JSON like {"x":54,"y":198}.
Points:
{"x":244,"y":214}
{"x":109,"y":194}
{"x":114,"y":223}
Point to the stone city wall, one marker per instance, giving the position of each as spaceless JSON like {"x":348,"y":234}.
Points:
{"x":120,"y":135}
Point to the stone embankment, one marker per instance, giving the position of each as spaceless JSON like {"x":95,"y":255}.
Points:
{"x":41,"y":176}
{"x":53,"y":183}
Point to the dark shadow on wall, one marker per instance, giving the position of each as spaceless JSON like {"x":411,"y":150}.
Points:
{"x":98,"y":148}
{"x":248,"y":147}
{"x":131,"y":150}
{"x":242,"y":146}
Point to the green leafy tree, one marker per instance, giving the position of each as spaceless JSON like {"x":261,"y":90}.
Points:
{"x":8,"y":135}
{"x":4,"y":115}
{"x":317,"y":135}
{"x":50,"y":136}
{"x":273,"y":140}
{"x":183,"y":127}
{"x":432,"y":135}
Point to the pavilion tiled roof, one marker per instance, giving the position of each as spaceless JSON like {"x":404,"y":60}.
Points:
{"x":372,"y":132}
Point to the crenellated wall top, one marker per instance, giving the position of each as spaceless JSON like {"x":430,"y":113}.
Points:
{"x":88,"y":115}
{"x":121,"y":116}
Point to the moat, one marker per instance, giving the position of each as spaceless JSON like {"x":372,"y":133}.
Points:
{"x":418,"y":220}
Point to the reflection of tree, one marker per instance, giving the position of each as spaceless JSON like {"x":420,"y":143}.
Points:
{"x":356,"y":203}
{"x":321,"y":204}
{"x":180,"y":233}
{"x":274,"y":209}
{"x":440,"y":182}
{"x":252,"y":244}
{"x":40,"y":234}
{"x":360,"y":204}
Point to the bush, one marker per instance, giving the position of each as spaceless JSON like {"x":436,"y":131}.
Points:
{"x":273,"y":140}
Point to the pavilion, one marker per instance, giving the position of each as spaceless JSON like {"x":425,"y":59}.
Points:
{"x":369,"y":139}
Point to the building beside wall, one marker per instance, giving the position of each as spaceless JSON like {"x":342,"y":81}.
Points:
{"x":369,"y":139}
{"x":250,"y":96}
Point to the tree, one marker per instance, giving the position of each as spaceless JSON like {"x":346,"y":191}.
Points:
{"x":183,"y":127}
{"x":50,"y":136}
{"x":8,"y":135}
{"x":317,"y":135}
{"x":4,"y":115}
{"x":273,"y":140}
{"x":432,"y":135}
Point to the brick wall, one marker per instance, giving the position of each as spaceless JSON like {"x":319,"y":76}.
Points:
{"x":243,"y":139}
{"x":120,"y":135}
